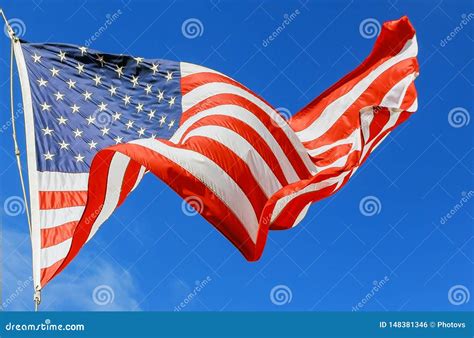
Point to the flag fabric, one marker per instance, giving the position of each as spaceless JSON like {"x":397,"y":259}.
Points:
{"x":97,"y":122}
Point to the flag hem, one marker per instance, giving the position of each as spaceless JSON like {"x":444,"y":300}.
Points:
{"x":31,"y":161}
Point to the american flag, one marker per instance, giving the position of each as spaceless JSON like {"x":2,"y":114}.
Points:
{"x":96,"y":122}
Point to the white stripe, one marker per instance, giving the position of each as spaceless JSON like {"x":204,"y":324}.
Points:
{"x":139,"y":178}
{"x":283,"y":202}
{"x":55,"y":253}
{"x":190,"y":69}
{"x":339,"y":106}
{"x":56,"y":181}
{"x":31,"y":158}
{"x":260,"y":170}
{"x":117,"y":169}
{"x":251,"y":120}
{"x":54,"y":217}
{"x":414,"y":106}
{"x":212,"y":176}
{"x":366,"y":117}
{"x":210,"y":89}
{"x":348,"y":140}
{"x":394,"y":98}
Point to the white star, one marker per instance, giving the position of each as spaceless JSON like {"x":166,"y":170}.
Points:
{"x":36,"y":58}
{"x":62,"y":55}
{"x":54,"y":71}
{"x":161,"y":95}
{"x":119,"y":71}
{"x":113,"y":90}
{"x":64,"y":145}
{"x":45,"y":106}
{"x":59,"y":96}
{"x":154,"y":68}
{"x":169,"y":76}
{"x":92,"y":144}
{"x":48,"y":156}
{"x":75,"y":108}
{"x":80,"y":68}
{"x":171,"y":101}
{"x":139,"y":60}
{"x":42,"y":82}
{"x":141,"y":132}
{"x":97,"y":80}
{"x":116,"y":116}
{"x":126,"y":99}
{"x":87,"y":95}
{"x":102,"y":106}
{"x":153,"y":135}
{"x":90,"y":119}
{"x":118,"y":140}
{"x":83,"y":50}
{"x":47,"y":131}
{"x":105,"y":130}
{"x":139,"y":107}
{"x":162,"y":120}
{"x":151,"y":114}
{"x":77,"y":132}
{"x":79,"y":158}
{"x":71,"y":84}
{"x":148,"y":89}
{"x":134,"y":80}
{"x":129,"y":124}
{"x":100,"y":58}
{"x":61,"y":120}
{"x":171,"y":124}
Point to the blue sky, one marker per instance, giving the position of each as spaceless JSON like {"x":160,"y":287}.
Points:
{"x":151,"y":255}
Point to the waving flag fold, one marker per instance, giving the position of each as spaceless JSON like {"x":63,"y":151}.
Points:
{"x":97,"y":122}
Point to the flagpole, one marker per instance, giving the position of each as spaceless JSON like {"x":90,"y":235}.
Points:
{"x":14,"y":39}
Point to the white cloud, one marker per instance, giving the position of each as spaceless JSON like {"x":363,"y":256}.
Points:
{"x":73,"y":289}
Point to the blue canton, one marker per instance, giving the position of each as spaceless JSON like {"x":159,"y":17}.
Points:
{"x":85,"y":100}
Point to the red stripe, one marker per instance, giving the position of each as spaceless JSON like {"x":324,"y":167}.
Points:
{"x":372,"y":96}
{"x":249,"y":134}
{"x":410,"y":97}
{"x":48,"y":273}
{"x":233,"y":166}
{"x":223,"y":99}
{"x":381,"y":117}
{"x":195,"y":80}
{"x":56,"y":235}
{"x":393,"y":37}
{"x":61,"y":199}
